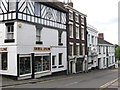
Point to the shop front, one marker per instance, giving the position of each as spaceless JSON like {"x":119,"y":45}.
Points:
{"x":79,"y":65}
{"x":36,"y":64}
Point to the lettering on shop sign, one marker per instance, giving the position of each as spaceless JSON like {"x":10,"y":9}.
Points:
{"x":3,"y":49}
{"x":42,"y":49}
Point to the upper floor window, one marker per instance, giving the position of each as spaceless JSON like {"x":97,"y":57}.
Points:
{"x":12,"y":5}
{"x":77,"y":18}
{"x":82,"y":19}
{"x":60,"y":38}
{"x":92,"y":39}
{"x":88,"y":39}
{"x":37,"y":9}
{"x":77,"y":32}
{"x":71,"y":49}
{"x":77,"y":50}
{"x":10,"y":32}
{"x":82,"y":33}
{"x":83,"y":49}
{"x":38,"y":34}
{"x":71,"y":16}
{"x":71,"y":30}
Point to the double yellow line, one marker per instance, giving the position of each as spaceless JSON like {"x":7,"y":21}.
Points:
{"x":109,"y":83}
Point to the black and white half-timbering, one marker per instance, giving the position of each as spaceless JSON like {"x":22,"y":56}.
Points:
{"x":32,"y":39}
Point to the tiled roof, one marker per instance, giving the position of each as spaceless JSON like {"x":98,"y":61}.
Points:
{"x":101,"y":41}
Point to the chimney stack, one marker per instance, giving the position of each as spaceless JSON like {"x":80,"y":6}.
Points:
{"x":70,"y":3}
{"x":101,"y":35}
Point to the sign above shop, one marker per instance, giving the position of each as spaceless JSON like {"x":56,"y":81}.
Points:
{"x":3,"y":49}
{"x":42,"y":49}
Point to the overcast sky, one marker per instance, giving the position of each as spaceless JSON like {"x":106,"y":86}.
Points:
{"x":102,"y":14}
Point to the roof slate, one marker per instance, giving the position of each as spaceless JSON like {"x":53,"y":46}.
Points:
{"x":101,"y":41}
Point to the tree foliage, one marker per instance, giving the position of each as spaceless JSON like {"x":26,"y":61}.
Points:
{"x":117,"y":52}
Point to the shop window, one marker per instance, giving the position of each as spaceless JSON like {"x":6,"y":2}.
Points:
{"x":3,"y":57}
{"x":53,"y":60}
{"x":60,"y":58}
{"x":42,"y":63}
{"x":25,"y":66}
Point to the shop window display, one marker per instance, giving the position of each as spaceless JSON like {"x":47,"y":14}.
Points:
{"x":42,"y":63}
{"x":3,"y":57}
{"x":25,"y":65}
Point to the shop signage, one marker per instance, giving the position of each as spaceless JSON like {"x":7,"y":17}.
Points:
{"x":42,"y":49}
{"x":3,"y":49}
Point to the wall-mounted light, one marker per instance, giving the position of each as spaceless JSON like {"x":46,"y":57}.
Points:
{"x":19,"y":25}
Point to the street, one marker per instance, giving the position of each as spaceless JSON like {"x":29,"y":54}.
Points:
{"x":93,"y":79}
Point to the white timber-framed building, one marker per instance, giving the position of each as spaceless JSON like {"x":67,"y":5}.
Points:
{"x":32,"y":38}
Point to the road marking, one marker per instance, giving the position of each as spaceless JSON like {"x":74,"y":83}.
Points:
{"x":109,"y":83}
{"x":71,"y":83}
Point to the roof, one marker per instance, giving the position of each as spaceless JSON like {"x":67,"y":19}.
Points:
{"x":101,"y":41}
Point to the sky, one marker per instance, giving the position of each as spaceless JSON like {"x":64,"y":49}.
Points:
{"x":102,"y":14}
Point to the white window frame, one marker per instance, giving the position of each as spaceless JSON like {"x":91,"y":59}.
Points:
{"x":82,"y":33}
{"x":71,"y":36}
{"x":77,"y":30}
{"x":72,"y":48}
{"x":70,"y":14}
{"x":77,"y":44}
{"x":8,"y":33}
{"x":83,"y":49}
{"x":77,"y":18}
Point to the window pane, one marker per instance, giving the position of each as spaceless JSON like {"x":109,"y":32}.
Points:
{"x":25,"y":65}
{"x":10,"y":36}
{"x":60,"y":58}
{"x":38,"y":63}
{"x":4,"y":61}
{"x":53,"y":60}
{"x":46,"y":63}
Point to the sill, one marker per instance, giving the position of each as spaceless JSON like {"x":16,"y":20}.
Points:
{"x":61,"y":44}
{"x":54,"y":66}
{"x":60,"y":66}
{"x":9,"y":41}
{"x":39,"y":42}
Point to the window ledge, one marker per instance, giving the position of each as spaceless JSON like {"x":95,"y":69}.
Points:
{"x":61,"y":44}
{"x":9,"y":40}
{"x":60,"y":66}
{"x":54,"y":66}
{"x":39,"y":42}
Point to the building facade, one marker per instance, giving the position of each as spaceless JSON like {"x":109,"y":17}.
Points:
{"x":76,"y":40}
{"x":106,"y":53}
{"x":92,"y":47}
{"x":32,"y":39}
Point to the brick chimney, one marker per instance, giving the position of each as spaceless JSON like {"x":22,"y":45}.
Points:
{"x":101,"y":35}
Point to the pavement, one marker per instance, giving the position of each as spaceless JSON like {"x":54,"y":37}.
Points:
{"x":93,"y":79}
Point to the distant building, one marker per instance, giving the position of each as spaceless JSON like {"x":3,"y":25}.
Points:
{"x":92,"y":42}
{"x":106,"y":53}
{"x":76,"y":40}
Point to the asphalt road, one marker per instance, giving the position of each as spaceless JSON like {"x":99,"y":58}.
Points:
{"x":93,"y":79}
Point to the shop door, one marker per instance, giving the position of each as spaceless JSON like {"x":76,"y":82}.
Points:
{"x":99,"y":63}
{"x":71,"y":67}
{"x":107,"y":62}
